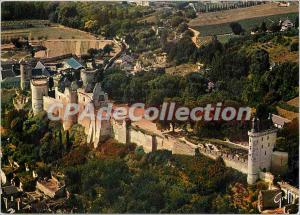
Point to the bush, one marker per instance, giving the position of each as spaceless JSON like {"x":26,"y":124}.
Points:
{"x":29,"y":186}
{"x":294,"y":47}
{"x":236,"y":28}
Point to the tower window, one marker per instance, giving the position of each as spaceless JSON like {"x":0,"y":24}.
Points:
{"x":265,"y":153}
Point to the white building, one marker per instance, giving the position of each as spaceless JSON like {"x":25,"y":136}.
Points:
{"x":261,"y":145}
{"x":287,"y":24}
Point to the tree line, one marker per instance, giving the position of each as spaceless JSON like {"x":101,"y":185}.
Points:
{"x":95,"y":17}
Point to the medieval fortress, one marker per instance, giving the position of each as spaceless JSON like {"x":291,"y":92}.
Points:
{"x":257,"y":160}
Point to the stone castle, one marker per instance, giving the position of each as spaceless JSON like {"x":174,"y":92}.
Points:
{"x":259,"y":157}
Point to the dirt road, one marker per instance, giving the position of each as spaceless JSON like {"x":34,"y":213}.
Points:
{"x":194,"y":38}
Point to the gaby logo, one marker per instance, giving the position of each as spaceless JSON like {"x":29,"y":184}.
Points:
{"x":135,"y":112}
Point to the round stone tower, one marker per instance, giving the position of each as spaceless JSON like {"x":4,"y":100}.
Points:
{"x":87,"y":76}
{"x":25,"y":73}
{"x":39,"y":88}
{"x":261,"y":145}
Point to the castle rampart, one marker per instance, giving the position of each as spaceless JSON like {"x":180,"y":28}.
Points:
{"x":144,"y":133}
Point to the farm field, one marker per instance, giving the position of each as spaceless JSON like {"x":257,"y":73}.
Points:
{"x":227,"y":16}
{"x":52,"y":32}
{"x":58,"y":40}
{"x":287,"y":114}
{"x":289,"y":109}
{"x":247,"y":24}
{"x":294,"y":102}
{"x":74,"y":46}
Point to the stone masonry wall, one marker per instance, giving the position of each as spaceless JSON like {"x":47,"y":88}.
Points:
{"x":151,"y":142}
{"x":119,"y":131}
{"x":141,"y":139}
{"x":230,"y":160}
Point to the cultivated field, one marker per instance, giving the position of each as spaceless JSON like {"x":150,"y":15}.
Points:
{"x":74,"y":46}
{"x":287,"y":114}
{"x":58,"y":39}
{"x":228,"y":16}
{"x":52,"y":32}
{"x":294,"y":102}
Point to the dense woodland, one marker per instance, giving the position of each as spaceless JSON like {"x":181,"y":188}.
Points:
{"x":123,"y":179}
{"x":106,"y":19}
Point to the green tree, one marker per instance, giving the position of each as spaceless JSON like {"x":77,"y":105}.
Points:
{"x":236,"y":28}
{"x":68,"y":142}
{"x":107,"y":49}
{"x":182,"y":27}
{"x":262,"y":111}
{"x":259,"y":61}
{"x":297,"y":21}
{"x":274,"y":27}
{"x":223,"y":205}
{"x":263,"y":27}
{"x":114,"y":84}
{"x":294,"y":47}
